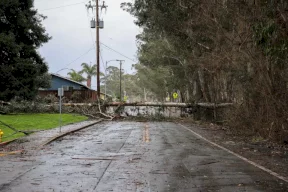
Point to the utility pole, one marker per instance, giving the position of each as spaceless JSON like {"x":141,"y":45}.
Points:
{"x":97,"y":49}
{"x":105,"y":80}
{"x":96,"y":6}
{"x":121,"y":78}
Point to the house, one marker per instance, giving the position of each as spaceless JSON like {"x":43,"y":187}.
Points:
{"x":58,"y":81}
{"x":72,"y":90}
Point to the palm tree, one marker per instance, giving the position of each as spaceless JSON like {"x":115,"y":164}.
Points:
{"x":90,"y":72}
{"x":76,"y":76}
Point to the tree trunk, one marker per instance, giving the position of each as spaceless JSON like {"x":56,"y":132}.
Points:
{"x":89,"y":82}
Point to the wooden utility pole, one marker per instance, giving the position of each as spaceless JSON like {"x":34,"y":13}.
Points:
{"x":121,"y":78}
{"x":97,"y":49}
{"x":96,"y":24}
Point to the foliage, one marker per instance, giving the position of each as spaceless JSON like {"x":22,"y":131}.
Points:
{"x":90,"y":72}
{"x":50,"y":99}
{"x":129,"y":84}
{"x":48,"y":106}
{"x":76,"y":76}
{"x":25,"y":106}
{"x":112,"y":80}
{"x":218,"y":51}
{"x":76,"y":97}
{"x":22,"y":69}
{"x":35,"y":122}
{"x":44,"y":81}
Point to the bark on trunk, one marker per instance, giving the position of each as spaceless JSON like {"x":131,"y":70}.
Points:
{"x":89,"y":82}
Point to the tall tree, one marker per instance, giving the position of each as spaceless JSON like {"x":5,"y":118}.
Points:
{"x":76,"y":76}
{"x":91,"y":71}
{"x":129,"y":84}
{"x":21,"y":34}
{"x":112,"y":80}
{"x":220,"y":51}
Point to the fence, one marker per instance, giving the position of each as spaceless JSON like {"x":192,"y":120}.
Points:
{"x":79,"y":95}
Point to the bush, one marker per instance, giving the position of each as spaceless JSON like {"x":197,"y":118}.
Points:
{"x":26,"y":107}
{"x":76,"y":97}
{"x":50,"y":99}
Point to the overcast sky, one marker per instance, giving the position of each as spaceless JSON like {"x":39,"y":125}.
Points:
{"x":72,"y":36}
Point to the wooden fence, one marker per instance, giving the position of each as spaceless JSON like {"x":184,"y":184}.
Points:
{"x":79,"y":95}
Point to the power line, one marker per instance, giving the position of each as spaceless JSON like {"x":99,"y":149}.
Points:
{"x":93,"y":42}
{"x":79,"y":57}
{"x":103,"y":62}
{"x":117,"y":52}
{"x":62,"y":6}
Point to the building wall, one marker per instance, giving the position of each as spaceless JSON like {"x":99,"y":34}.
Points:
{"x":57,"y":82}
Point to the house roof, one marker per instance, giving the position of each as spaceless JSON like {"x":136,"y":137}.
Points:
{"x":59,"y":76}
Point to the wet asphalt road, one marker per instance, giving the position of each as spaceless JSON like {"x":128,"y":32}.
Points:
{"x":133,"y":156}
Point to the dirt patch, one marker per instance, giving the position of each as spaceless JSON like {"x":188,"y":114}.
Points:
{"x":269,"y":154}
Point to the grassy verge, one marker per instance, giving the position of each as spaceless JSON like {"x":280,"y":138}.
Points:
{"x":35,"y":122}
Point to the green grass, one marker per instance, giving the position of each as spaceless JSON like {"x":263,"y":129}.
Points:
{"x":35,"y":122}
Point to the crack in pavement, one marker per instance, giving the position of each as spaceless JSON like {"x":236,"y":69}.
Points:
{"x":111,"y":161}
{"x":4,"y":186}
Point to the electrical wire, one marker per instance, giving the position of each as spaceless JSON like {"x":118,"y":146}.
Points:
{"x":62,"y":6}
{"x":106,"y":46}
{"x":93,"y":42}
{"x":102,"y":61}
{"x":78,"y":57}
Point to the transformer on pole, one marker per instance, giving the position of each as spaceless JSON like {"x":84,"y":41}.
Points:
{"x":97,"y":24}
{"x":93,"y":24}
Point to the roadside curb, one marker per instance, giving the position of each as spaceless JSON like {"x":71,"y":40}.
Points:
{"x":69,"y":132}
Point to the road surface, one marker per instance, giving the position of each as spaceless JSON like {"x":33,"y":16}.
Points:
{"x":133,"y":156}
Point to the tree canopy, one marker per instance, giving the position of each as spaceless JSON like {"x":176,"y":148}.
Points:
{"x":90,"y":71}
{"x":218,"y":51}
{"x":130,"y":85}
{"x":76,"y":76}
{"x":22,"y":69}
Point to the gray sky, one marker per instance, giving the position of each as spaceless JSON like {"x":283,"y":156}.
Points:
{"x":72,"y":37}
